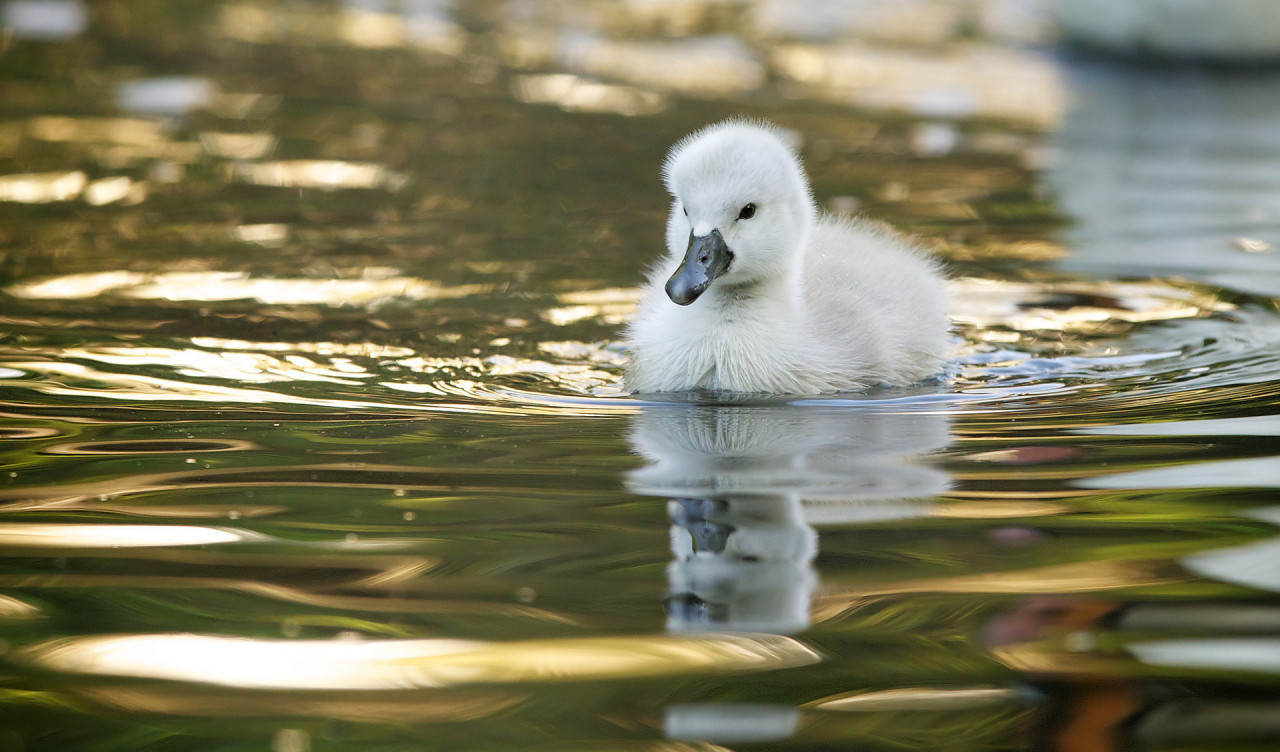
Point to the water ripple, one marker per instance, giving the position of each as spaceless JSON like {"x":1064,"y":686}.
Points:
{"x":1046,"y":339}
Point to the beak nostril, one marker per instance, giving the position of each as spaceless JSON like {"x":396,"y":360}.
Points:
{"x":706,"y":258}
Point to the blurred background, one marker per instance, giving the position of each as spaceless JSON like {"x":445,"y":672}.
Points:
{"x":392,"y":133}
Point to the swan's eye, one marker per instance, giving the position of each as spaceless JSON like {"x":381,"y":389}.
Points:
{"x":747,"y":212}
{"x":685,"y":210}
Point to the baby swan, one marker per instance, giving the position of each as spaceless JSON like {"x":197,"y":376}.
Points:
{"x":758,"y":293}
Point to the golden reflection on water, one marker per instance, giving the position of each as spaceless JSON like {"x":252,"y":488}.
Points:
{"x":140,"y":447}
{"x":611,"y":306}
{"x":110,"y":190}
{"x":379,"y":285}
{"x":238,"y":145}
{"x":105,"y":504}
{"x":66,"y":535}
{"x":43,"y":187}
{"x":455,"y":705}
{"x":231,"y":366}
{"x":706,"y":66}
{"x":575,"y":94}
{"x":322,"y":174}
{"x":77,"y":380}
{"x":88,"y":130}
{"x":1079,"y":577}
{"x":14,"y":609}
{"x":423,"y":27}
{"x":1021,"y":250}
{"x":594,"y":352}
{"x":972,"y":81}
{"x":916,"y":698}
{"x":137,"y":388}
{"x":12,"y":433}
{"x":115,"y":142}
{"x":398,"y":664}
{"x":1044,"y":659}
{"x":709,"y":50}
{"x":1101,"y":307}
{"x":352,"y":349}
{"x":994,"y":510}
{"x":271,"y":233}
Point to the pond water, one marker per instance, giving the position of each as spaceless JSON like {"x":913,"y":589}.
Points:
{"x":314,"y":435}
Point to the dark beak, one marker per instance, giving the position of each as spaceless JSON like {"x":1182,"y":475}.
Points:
{"x":707,"y":258}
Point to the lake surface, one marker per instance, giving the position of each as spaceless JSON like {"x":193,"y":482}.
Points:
{"x":314,"y":435}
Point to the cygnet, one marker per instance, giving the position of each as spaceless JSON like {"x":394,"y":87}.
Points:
{"x":760,"y":293}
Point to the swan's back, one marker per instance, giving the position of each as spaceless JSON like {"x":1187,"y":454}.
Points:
{"x":871,"y":291}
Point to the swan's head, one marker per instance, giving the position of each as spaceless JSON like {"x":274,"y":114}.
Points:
{"x":742,"y":208}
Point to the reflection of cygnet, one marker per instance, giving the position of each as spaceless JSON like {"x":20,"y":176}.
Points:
{"x":847,"y":464}
{"x":745,"y":483}
{"x":740,"y":564}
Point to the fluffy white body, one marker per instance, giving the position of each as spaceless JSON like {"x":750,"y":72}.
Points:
{"x":772,"y":297}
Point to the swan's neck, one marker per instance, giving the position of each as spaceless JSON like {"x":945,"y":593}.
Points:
{"x":778,"y":297}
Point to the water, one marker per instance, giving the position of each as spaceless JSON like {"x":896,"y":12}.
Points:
{"x":314,"y":436}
